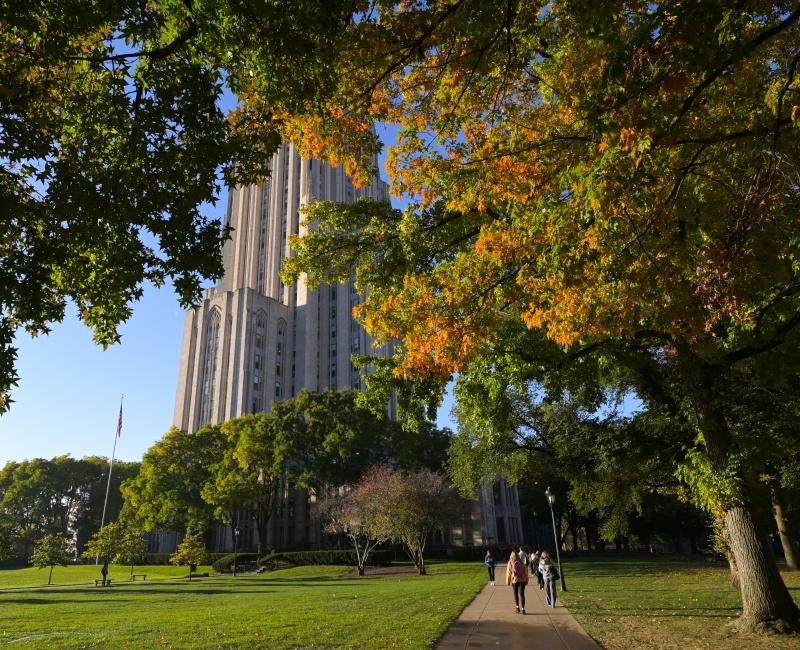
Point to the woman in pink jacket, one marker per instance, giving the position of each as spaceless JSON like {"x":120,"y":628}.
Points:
{"x":517,"y":577}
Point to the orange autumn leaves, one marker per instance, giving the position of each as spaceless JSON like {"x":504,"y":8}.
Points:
{"x":613,"y":204}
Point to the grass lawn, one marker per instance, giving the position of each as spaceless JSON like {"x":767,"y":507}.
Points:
{"x":87,"y":574}
{"x":629,"y":603}
{"x":305,"y":607}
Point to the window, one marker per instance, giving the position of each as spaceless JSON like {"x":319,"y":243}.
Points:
{"x":279,"y":347}
{"x":259,"y":357}
{"x":209,"y":366}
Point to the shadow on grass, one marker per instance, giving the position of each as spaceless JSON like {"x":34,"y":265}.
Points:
{"x":49,"y":601}
{"x":110,"y":595}
{"x":700,"y":612}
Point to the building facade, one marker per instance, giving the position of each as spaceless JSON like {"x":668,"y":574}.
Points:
{"x":254,"y":340}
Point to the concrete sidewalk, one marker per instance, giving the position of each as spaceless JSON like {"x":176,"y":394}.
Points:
{"x":490,"y":621}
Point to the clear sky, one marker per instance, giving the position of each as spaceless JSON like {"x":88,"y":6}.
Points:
{"x":67,"y":401}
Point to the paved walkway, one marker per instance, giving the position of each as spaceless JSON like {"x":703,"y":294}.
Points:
{"x":490,"y":621}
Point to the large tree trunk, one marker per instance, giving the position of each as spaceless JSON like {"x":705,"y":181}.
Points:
{"x":784,"y":523}
{"x":722,"y":545}
{"x":767,"y":604}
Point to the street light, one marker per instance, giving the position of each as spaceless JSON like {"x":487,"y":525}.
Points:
{"x":551,"y":499}
{"x":235,"y":547}
{"x":261,"y":480}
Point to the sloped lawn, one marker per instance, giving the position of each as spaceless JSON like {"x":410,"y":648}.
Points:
{"x":305,"y":607}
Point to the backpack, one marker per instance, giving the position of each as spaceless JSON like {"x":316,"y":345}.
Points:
{"x":517,"y":572}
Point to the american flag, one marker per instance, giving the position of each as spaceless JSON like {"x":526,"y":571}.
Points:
{"x":119,"y":422}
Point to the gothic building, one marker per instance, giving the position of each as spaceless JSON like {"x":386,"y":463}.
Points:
{"x":254,"y":340}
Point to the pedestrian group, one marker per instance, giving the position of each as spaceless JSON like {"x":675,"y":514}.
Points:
{"x":520,"y":566}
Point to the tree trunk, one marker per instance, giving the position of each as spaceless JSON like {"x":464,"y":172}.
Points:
{"x":767,"y":604}
{"x":785,"y":528}
{"x":574,"y":528}
{"x":736,"y":582}
{"x":50,"y":577}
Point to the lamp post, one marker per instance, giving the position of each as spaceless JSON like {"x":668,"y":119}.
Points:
{"x":261,"y":480}
{"x":551,"y":499}
{"x":235,"y":548}
{"x":535,"y":531}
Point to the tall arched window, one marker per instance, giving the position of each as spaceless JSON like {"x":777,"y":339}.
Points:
{"x":280,"y":348}
{"x":262,"y":236}
{"x":259,"y":360}
{"x":209,"y":366}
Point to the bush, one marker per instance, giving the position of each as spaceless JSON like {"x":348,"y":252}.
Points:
{"x":460,"y":553}
{"x":325,"y":557}
{"x":224,"y":564}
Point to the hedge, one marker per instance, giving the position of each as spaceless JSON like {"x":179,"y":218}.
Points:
{"x":330,"y":556}
{"x":224,"y":563}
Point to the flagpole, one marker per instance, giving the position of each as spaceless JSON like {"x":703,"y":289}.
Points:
{"x":110,"y":467}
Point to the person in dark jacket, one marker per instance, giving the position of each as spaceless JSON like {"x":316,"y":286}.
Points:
{"x":489,"y":562}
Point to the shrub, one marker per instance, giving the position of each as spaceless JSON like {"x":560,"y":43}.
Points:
{"x":224,"y":563}
{"x":324,"y":557}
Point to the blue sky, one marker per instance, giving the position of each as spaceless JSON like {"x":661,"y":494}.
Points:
{"x":68,"y":396}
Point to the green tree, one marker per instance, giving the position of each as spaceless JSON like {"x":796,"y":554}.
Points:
{"x":131,"y":547}
{"x":115,"y":138}
{"x":584,"y":172}
{"x":167,"y":490}
{"x":191,"y":552}
{"x":93,"y":497}
{"x":61,"y":494}
{"x":249,"y":470}
{"x":50,"y":550}
{"x":314,"y":440}
{"x":104,"y":542}
{"x":119,"y":542}
{"x":7,"y":548}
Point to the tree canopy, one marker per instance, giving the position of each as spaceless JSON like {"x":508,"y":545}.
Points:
{"x":618,"y":177}
{"x":114,"y":134}
{"x":62,"y":494}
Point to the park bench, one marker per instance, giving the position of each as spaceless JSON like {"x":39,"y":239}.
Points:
{"x":99,"y":583}
{"x":143,"y":576}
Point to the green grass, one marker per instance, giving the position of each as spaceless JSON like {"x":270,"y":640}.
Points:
{"x":86,"y":574}
{"x":660,"y":603}
{"x":305,"y":607}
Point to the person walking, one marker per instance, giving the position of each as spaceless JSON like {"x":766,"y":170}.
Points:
{"x":489,"y":562}
{"x":104,"y":572}
{"x":549,"y":575}
{"x":517,"y":577}
{"x":535,"y":567}
{"x":523,"y":555}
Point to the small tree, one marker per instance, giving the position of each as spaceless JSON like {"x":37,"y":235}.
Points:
{"x":130,"y":546}
{"x":362,"y":514}
{"x":50,"y":550}
{"x":191,"y":552}
{"x":104,"y":542}
{"x":421,"y":504}
{"x":7,"y":549}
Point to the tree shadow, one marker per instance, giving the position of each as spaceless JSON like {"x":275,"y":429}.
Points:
{"x":697,"y":612}
{"x":49,"y":601}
